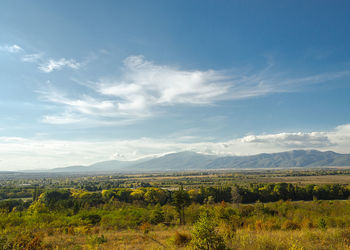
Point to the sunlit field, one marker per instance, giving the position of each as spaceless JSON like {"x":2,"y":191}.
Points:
{"x":227,"y":210}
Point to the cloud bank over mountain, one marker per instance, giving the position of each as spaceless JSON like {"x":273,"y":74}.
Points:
{"x":21,"y":153}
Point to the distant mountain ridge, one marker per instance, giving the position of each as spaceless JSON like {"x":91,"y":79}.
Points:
{"x":103,"y":166}
{"x":194,"y":161}
{"x":290,"y":159}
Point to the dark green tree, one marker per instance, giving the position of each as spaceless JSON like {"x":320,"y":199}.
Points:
{"x":56,"y":199}
{"x":181,"y":199}
{"x":157,"y":215}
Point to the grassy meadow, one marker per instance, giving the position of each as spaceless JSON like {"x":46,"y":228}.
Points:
{"x":178,"y":211}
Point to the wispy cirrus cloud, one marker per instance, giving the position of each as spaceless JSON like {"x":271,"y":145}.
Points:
{"x":44,"y":64}
{"x":32,"y":58}
{"x":11,"y":48}
{"x":146,"y":83}
{"x":65,"y":118}
{"x":24,"y":153}
{"x":52,"y":64}
{"x":86,"y":105}
{"x":143,"y":88}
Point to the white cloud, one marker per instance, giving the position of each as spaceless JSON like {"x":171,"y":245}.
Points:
{"x":165,"y":85}
{"x":292,"y":140}
{"x":52,"y":65}
{"x":31,"y":58}
{"x":60,"y":119}
{"x":144,"y":88}
{"x":44,"y":64}
{"x":22,"y":153}
{"x":87,"y":108}
{"x":11,"y":48}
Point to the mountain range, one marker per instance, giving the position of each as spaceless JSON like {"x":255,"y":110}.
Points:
{"x":194,"y":161}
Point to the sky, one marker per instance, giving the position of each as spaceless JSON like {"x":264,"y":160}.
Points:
{"x":88,"y":81}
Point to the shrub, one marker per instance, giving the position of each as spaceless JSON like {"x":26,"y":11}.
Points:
{"x":246,"y":211}
{"x":271,"y":224}
{"x":34,"y":243}
{"x":4,"y":242}
{"x":92,"y":219}
{"x":181,"y":239}
{"x":345,"y":234}
{"x":145,"y":227}
{"x":205,"y":236}
{"x":26,"y":241}
{"x":227,"y":230}
{"x":307,"y":223}
{"x":157,"y":215}
{"x":290,"y":225}
{"x":97,"y":240}
{"x":259,"y":225}
{"x":322,"y":224}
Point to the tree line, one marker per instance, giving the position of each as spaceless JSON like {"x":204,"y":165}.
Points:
{"x":77,"y":199}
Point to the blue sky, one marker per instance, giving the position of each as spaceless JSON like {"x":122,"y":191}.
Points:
{"x":85,"y":81}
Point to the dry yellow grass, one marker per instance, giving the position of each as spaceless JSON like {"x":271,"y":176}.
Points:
{"x":297,"y":239}
{"x":126,"y":239}
{"x":243,"y":239}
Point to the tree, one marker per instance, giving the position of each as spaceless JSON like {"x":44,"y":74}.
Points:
{"x":157,"y":215}
{"x":205,"y":236}
{"x":36,"y":194}
{"x":90,"y":199}
{"x":137,"y":194}
{"x":56,"y":199}
{"x":155,"y":195}
{"x":181,"y":199}
{"x":235,"y":195}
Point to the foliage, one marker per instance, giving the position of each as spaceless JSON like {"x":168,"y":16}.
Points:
{"x":181,"y":199}
{"x":290,"y":225}
{"x":155,"y":195}
{"x":56,"y":199}
{"x":156,"y":215}
{"x":92,"y":219}
{"x":97,"y":240}
{"x":205,"y":236}
{"x":181,"y":239}
{"x":322,"y":223}
{"x":85,"y":211}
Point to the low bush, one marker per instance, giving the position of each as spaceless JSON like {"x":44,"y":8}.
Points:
{"x":181,"y":239}
{"x":290,"y":225}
